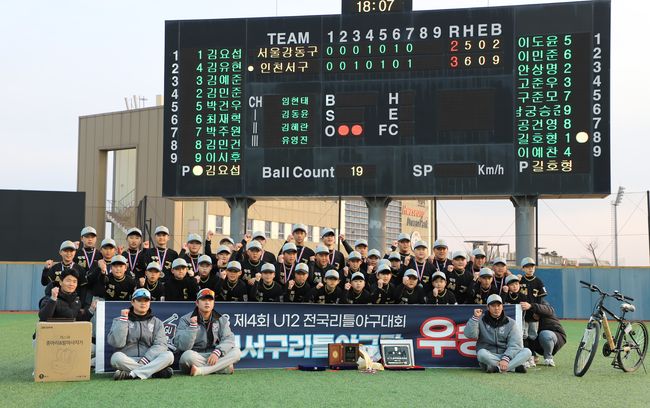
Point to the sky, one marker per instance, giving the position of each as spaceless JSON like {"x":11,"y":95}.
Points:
{"x":66,"y":59}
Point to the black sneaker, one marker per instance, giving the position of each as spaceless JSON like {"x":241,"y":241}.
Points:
{"x":164,"y":373}
{"x":492,"y":369}
{"x":521,"y":369}
{"x":122,"y":375}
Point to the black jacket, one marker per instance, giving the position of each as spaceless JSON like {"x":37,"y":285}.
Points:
{"x":547,"y":321}
{"x":184,"y":289}
{"x":66,"y":306}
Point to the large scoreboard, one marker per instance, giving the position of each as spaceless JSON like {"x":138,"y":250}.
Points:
{"x":385,"y":101}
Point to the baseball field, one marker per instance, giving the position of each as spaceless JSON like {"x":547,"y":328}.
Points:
{"x":541,"y":387}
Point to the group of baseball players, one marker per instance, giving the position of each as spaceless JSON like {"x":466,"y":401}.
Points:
{"x":141,"y":272}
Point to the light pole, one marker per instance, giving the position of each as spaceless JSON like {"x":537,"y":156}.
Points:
{"x":615,"y":203}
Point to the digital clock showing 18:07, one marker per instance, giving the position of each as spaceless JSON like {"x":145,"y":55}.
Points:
{"x":374,"y":6}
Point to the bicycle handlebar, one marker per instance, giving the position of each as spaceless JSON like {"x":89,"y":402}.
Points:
{"x":595,"y":288}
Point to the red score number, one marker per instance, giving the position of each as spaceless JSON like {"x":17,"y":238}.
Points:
{"x":476,"y":48}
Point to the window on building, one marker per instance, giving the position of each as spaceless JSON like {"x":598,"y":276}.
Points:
{"x":267,"y":228}
{"x":310,"y":233}
{"x":249,"y":226}
{"x":218,"y":224}
{"x":281,"y":227}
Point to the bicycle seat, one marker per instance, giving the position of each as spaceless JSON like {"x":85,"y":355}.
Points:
{"x":626,"y":307}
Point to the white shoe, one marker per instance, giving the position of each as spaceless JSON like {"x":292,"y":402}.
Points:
{"x":549,"y":362}
{"x":531,"y":362}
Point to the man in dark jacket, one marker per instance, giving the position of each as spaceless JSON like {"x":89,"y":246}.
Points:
{"x":551,"y":335}
{"x":61,"y":300}
{"x":499,"y":345}
{"x":206,"y":340}
{"x":140,"y":340}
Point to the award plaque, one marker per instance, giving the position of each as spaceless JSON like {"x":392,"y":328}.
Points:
{"x":397,"y":353}
{"x":343,"y":354}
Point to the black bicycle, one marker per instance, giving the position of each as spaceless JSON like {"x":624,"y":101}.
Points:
{"x":628,"y":345}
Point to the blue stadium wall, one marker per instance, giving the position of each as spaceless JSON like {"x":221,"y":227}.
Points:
{"x":20,"y":288}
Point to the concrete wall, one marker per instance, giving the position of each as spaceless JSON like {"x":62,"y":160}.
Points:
{"x":140,"y":129}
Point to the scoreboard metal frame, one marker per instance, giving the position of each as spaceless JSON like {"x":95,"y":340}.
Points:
{"x":385,"y":101}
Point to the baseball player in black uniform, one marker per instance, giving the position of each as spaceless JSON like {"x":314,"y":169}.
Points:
{"x":477,"y":262}
{"x":397,"y":268}
{"x":205,"y":277}
{"x":52,"y":271}
{"x":531,"y":285}
{"x":336,"y":258}
{"x":298,"y":235}
{"x":403,"y":248}
{"x":410,"y":292}
{"x":370,"y":266}
{"x":384,"y":292}
{"x":252,"y":262}
{"x":153,"y":283}
{"x":320,"y":265}
{"x":330,"y":292}
{"x":267,"y":257}
{"x":284,"y":269}
{"x":459,"y":279}
{"x":118,"y":285}
{"x":421,"y":264}
{"x":533,"y":288}
{"x":180,"y":286}
{"x":500,"y":269}
{"x":191,"y":252}
{"x":134,"y":254}
{"x":224,"y":253}
{"x":358,"y":294}
{"x":161,"y":253}
{"x":440,"y":260}
{"x":266,"y":288}
{"x":87,"y":255}
{"x":482,"y":288}
{"x":298,"y":289}
{"x":353,"y":266}
{"x":233,"y":289}
{"x":101,"y":268}
{"x":513,"y":295}
{"x":441,"y":295}
{"x":227,"y":241}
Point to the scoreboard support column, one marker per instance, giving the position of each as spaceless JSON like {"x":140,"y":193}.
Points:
{"x":525,"y":245}
{"x":238,"y":215}
{"x":377,"y":221}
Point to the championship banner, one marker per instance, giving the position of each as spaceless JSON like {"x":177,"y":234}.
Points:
{"x":280,"y":335}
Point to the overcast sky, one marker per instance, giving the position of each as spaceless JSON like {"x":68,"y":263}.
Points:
{"x":65,"y":59}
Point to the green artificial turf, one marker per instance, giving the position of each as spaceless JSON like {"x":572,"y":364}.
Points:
{"x":541,"y":387}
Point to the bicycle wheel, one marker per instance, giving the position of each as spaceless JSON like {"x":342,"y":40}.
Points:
{"x":632,"y":346}
{"x":587,"y":348}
